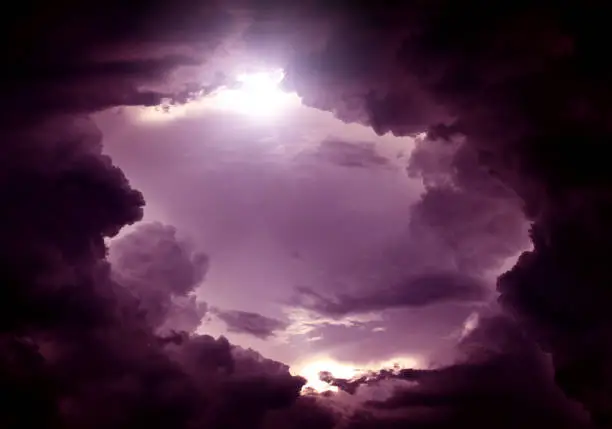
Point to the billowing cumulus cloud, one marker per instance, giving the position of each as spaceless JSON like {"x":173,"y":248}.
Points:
{"x":501,"y":380}
{"x":471,"y":217}
{"x":117,"y":56}
{"x":306,"y":413}
{"x":79,"y":343}
{"x":526,"y":88}
{"x":161,"y":271}
{"x":523,"y":86}
{"x":250,"y":323}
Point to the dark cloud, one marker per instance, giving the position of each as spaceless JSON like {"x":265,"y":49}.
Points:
{"x":525,"y":83}
{"x":246,"y":322}
{"x":526,"y":86}
{"x":502,"y":380}
{"x":473,"y":217}
{"x":249,"y":361}
{"x":418,"y":291}
{"x":230,"y":378}
{"x":72,"y":59}
{"x":77,"y":349}
{"x":306,"y":413}
{"x":475,"y":233}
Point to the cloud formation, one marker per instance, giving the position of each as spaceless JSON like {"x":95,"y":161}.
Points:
{"x":526,"y":88}
{"x":502,"y":380}
{"x":250,"y":323}
{"x":304,"y":321}
{"x":470,"y":215}
{"x":418,"y":291}
{"x":460,"y":233}
{"x":77,"y":348}
{"x":161,"y":272}
{"x":525,"y":84}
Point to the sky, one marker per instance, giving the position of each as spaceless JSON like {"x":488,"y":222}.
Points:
{"x":268,"y":214}
{"x":277,"y":212}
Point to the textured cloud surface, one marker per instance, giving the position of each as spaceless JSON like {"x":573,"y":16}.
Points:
{"x":526,"y":88}
{"x":515,"y":100}
{"x":502,"y":380}
{"x":161,"y":271}
{"x":79,"y":345}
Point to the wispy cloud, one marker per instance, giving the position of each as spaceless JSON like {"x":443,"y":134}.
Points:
{"x":304,"y":322}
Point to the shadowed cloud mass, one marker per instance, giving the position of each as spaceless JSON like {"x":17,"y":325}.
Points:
{"x":525,"y":86}
{"x":79,"y":346}
{"x":515,"y":100}
{"x":502,"y":379}
{"x":162,"y":272}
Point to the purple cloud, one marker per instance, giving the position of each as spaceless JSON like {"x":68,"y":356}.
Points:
{"x":417,"y":291}
{"x":250,"y":323}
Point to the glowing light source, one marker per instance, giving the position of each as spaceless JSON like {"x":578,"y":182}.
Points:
{"x":310,"y":371}
{"x":255,"y":94}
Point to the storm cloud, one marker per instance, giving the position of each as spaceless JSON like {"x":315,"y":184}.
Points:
{"x":523,"y":88}
{"x":526,"y":88}
{"x":501,"y":380}
{"x":78,"y":349}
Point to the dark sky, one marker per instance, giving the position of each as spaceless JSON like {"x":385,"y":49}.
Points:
{"x":432,"y":189}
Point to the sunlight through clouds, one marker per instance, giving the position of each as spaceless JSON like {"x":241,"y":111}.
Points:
{"x":256,"y":95}
{"x":313,"y":367}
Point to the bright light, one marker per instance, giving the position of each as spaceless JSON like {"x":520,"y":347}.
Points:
{"x":310,"y":371}
{"x":254,"y":94}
